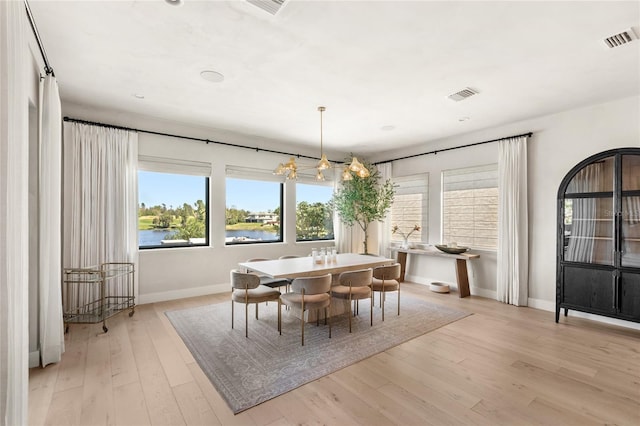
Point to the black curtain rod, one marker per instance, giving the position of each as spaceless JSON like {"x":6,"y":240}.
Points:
{"x":207,"y":141}
{"x":453,"y":147}
{"x":257,"y":149}
{"x":47,"y":65}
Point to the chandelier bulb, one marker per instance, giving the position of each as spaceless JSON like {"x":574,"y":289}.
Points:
{"x":346,"y":174}
{"x":324,"y":164}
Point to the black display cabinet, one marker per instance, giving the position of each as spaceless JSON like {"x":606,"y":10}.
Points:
{"x":598,"y":248}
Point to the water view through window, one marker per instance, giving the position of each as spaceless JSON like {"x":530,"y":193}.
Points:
{"x":173,"y":211}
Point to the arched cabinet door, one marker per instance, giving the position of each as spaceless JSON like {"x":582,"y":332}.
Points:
{"x":598,"y":248}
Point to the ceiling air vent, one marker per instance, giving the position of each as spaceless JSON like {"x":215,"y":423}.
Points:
{"x":462,"y":94}
{"x":271,"y":6}
{"x":617,"y":40}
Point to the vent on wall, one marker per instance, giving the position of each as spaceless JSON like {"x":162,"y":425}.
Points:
{"x":619,"y":39}
{"x":271,"y":6}
{"x":462,"y":94}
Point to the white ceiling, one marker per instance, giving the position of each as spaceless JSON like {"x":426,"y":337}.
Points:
{"x":371,"y":63}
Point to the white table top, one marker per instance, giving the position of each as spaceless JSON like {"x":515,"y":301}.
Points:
{"x":304,"y":266}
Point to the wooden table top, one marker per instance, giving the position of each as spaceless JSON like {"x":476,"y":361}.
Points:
{"x":304,"y":266}
{"x":432,"y":251}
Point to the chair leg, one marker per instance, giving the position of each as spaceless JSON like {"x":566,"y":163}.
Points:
{"x":398,"y":300}
{"x":350,"y":313}
{"x":256,"y":311}
{"x":246,"y":320}
{"x":232,"y":314}
{"x":280,"y":316}
{"x":371,"y":310}
{"x":302,"y":317}
{"x":382,"y":297}
{"x":317,"y":317}
{"x":329,"y":318}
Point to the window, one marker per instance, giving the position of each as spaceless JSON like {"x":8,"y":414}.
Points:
{"x":470,"y":206}
{"x":314,"y":217}
{"x":410,"y":207}
{"x":173,"y":208}
{"x":254,"y":208}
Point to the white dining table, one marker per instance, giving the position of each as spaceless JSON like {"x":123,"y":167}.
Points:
{"x":306,"y":267}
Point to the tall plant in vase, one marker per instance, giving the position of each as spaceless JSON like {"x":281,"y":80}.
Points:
{"x":363,"y":200}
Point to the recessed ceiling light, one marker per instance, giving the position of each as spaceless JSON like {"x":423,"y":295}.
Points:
{"x":387,"y":128}
{"x":212,"y":76}
{"x":463,"y":118}
{"x":138,"y":95}
{"x":175,"y":2}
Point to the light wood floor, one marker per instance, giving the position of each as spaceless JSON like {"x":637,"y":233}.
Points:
{"x":502,"y":365}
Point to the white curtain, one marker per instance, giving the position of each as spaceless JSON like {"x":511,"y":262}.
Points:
{"x":51,"y":326}
{"x":513,"y":252}
{"x":349,"y":239}
{"x":14,"y":227}
{"x":100,"y":200}
{"x":581,"y":244}
{"x":384,"y":227}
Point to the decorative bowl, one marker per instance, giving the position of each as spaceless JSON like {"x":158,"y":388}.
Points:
{"x":451,"y":250}
{"x":439,"y":287}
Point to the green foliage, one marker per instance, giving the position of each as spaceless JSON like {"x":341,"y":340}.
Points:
{"x":187,"y":220}
{"x":234,"y":216}
{"x":363,"y":200}
{"x":313,"y":221}
{"x":163,"y":221}
{"x":193,"y":228}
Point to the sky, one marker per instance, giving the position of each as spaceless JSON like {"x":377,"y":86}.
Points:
{"x":256,"y":196}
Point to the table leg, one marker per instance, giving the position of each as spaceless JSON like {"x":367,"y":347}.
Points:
{"x":402,"y":260}
{"x":462,"y":278}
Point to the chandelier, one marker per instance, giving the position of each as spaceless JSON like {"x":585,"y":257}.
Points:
{"x":290,"y":168}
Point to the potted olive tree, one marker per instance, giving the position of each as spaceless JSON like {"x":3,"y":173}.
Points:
{"x":363,"y":200}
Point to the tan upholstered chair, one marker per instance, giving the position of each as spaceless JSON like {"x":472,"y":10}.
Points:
{"x":268,"y":281}
{"x":246,"y":288}
{"x":309,"y":293}
{"x":385,"y":279}
{"x":354,"y":286}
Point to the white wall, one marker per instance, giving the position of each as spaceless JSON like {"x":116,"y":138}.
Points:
{"x":558,"y":143}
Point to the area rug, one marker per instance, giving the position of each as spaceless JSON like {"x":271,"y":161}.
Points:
{"x":249,"y":371}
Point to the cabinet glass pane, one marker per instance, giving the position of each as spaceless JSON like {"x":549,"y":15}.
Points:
{"x":630,"y":172}
{"x":631,"y":231}
{"x":595,"y":177}
{"x":588,"y":230}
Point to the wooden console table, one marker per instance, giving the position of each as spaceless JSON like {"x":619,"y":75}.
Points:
{"x":462,"y":275}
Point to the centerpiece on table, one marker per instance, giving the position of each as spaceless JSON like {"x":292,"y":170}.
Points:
{"x":405,"y":237}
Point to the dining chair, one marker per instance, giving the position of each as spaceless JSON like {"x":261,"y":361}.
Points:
{"x":386,"y":279}
{"x":309,"y":293}
{"x":246,"y":288}
{"x":354,"y":286}
{"x":268,"y":281}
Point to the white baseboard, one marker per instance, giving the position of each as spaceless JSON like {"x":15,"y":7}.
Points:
{"x":421,"y":280}
{"x":483,"y":292}
{"x":34,"y":359}
{"x":181,"y":294}
{"x":476,"y":291}
{"x":550,"y":306}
